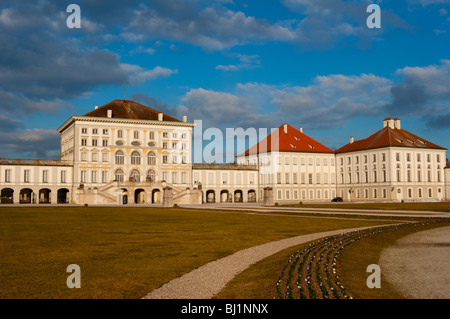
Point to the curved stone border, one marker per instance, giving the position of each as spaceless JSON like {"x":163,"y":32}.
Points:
{"x":208,"y":280}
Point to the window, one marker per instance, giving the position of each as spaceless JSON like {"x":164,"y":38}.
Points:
{"x":398,"y":176}
{"x":408,"y":157}
{"x":135,"y":158}
{"x":196,"y":178}
{"x":135,"y":176}
{"x":295,"y":194}
{"x":151,"y":175}
{"x":279,"y":194}
{"x":374,"y":157}
{"x":165,"y":159}
{"x":45,"y":176}
{"x":94,"y":176}
{"x":310,"y":178}
{"x":366,"y":193}
{"x":165,"y":134}
{"x":105,"y":157}
{"x":151,"y":158}
{"x":105,"y":131}
{"x":430,"y":192}
{"x":84,"y":141}
{"x":174,"y":177}
{"x":438,"y":158}
{"x":429,"y":176}
{"x":183,"y":159}
{"x":318,"y":178}
{"x":84,"y":130}
{"x":287,"y":178}
{"x":94,"y":156}
{"x":278,"y":178}
{"x":384,"y":193}
{"x":184,"y":136}
{"x":119,"y":134}
{"x":418,"y":158}
{"x":7,"y":175}
{"x":286,"y":160}
{"x":119,"y":158}
{"x":409,"y":193}
{"x":183,"y":146}
{"x":104,"y":176}
{"x":383,"y":157}
{"x":428,"y":158}
{"x":151,"y":135}
{"x":294,"y":178}
{"x":136,"y":134}
{"x":174,"y":159}
{"x":83,"y":156}
{"x":118,"y":176}
{"x":375,"y":193}
{"x":288,"y":194}
{"x":26,"y":176}
{"x":105,"y":142}
{"x":174,"y":145}
{"x":419,"y":192}
{"x":83,"y":176}
{"x":164,"y":176}
{"x":165,"y":145}
{"x":183,"y":177}
{"x":94,"y":142}
{"x":63,"y":176}
{"x":303,"y":178}
{"x":397,"y":157}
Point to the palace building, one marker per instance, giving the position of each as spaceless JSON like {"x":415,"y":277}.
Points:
{"x":126,"y":153}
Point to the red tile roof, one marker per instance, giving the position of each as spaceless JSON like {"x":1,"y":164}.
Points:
{"x":389,"y":137}
{"x":125,"y":109}
{"x":292,"y":141}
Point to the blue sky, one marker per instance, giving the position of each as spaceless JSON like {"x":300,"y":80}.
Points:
{"x":310,"y":63}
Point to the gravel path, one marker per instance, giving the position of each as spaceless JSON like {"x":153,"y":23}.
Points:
{"x":209,"y":279}
{"x":419,"y":264}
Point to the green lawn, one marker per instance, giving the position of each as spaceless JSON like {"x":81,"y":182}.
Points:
{"x":128,"y":252}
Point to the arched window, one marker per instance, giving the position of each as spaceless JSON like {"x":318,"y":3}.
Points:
{"x":118,"y":176}
{"x":135,"y":158}
{"x":120,"y":159}
{"x":135,"y":175}
{"x":151,"y":158}
{"x":151,"y":175}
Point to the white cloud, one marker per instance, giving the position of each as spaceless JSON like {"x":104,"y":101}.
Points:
{"x":137,"y":74}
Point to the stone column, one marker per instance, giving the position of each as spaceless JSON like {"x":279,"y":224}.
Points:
{"x":167,"y":197}
{"x":268,"y":196}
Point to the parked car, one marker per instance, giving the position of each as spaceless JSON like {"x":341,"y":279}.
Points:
{"x":337,"y":199}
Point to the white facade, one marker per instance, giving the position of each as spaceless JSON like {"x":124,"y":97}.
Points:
{"x":107,"y":160}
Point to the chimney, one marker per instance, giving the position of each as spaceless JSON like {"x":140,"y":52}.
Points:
{"x":96,"y":107}
{"x":397,"y":123}
{"x":389,"y":122}
{"x":160,"y":116}
{"x":301,"y":129}
{"x":352,"y":139}
{"x":285,"y":128}
{"x":109,"y":114}
{"x":184,"y":118}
